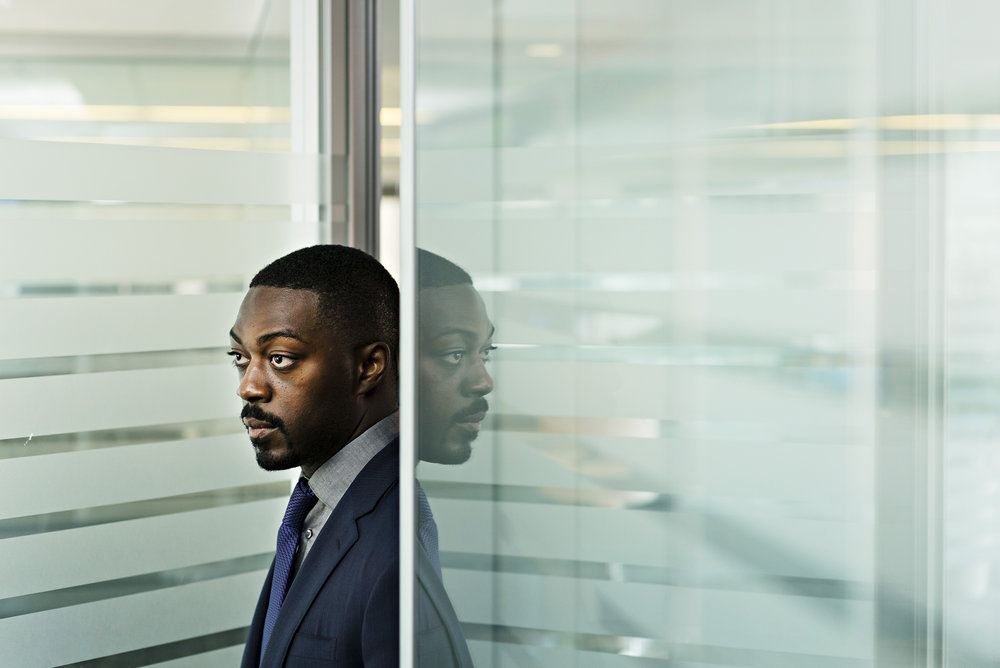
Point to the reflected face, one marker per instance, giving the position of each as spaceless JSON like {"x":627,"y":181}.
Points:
{"x":296,"y":379}
{"x":456,"y":338}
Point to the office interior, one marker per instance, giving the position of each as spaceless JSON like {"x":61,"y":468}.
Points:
{"x":743,"y":260}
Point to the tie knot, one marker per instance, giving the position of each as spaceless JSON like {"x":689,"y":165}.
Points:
{"x":299,"y":505}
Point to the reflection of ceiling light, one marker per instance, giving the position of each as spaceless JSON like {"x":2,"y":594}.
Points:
{"x":268,"y":144}
{"x":39,"y":91}
{"x":391,"y":147}
{"x":911,"y":122}
{"x":390,"y":116}
{"x":143,"y":114}
{"x":829,"y":124}
{"x":545,"y":50}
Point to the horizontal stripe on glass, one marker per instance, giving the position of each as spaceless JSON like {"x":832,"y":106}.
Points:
{"x":678,"y":577}
{"x":786,"y":547}
{"x":50,"y":444}
{"x":737,"y":507}
{"x":637,"y":427}
{"x":763,"y":621}
{"x":568,"y":647}
{"x":800,"y":479}
{"x":116,"y":399}
{"x":80,"y":632}
{"x":142,"y":174}
{"x":34,"y":367}
{"x":108,"y":476}
{"x":71,"y":289}
{"x":773,"y":356}
{"x":217,"y":649}
{"x":810,"y":403}
{"x":864,"y":281}
{"x":105,"y":589}
{"x":84,"y":517}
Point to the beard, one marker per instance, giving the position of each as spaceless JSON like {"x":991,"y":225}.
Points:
{"x":267,"y":459}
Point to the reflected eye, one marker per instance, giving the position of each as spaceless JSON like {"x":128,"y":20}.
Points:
{"x":281,"y":361}
{"x":454,"y":357}
{"x":239,"y":359}
{"x":487,"y":353}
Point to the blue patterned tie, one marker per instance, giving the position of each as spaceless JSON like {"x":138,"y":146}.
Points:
{"x":288,"y":538}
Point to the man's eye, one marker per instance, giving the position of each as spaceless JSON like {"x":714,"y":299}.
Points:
{"x":281,"y":361}
{"x":238,"y":358}
{"x":487,"y":353}
{"x":454,"y":357}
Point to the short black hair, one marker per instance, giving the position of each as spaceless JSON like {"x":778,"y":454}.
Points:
{"x":357,"y":296}
{"x":434,"y":271}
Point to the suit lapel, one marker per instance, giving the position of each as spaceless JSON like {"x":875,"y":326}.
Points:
{"x":430,"y":582}
{"x":338,"y":536}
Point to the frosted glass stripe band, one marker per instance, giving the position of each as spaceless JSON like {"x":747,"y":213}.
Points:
{"x":764,"y":621}
{"x":123,"y":251}
{"x":801,"y":548}
{"x":49,"y":171}
{"x":188,"y":653}
{"x":38,"y":563}
{"x":80,"y":632}
{"x":104,"y":325}
{"x":87,"y":402}
{"x":733,"y":580}
{"x":136,"y":584}
{"x":124,"y":474}
{"x":543,"y":647}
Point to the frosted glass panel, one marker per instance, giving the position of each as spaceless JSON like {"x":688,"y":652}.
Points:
{"x":153,"y":157}
{"x":741,"y":261}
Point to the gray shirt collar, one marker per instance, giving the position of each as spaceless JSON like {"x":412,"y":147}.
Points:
{"x":330,"y":481}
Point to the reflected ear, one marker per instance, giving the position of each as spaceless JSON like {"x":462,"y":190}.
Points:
{"x":374,"y":366}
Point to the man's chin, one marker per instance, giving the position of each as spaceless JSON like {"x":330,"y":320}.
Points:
{"x":448,"y":452}
{"x":272,"y":461}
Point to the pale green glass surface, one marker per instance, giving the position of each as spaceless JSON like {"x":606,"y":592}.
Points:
{"x":739,"y":256}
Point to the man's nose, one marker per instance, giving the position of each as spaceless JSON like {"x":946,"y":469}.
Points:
{"x":254,"y":386}
{"x":479,"y":381}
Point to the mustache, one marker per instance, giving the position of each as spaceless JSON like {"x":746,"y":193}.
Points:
{"x":477,"y":406}
{"x":257,"y":413}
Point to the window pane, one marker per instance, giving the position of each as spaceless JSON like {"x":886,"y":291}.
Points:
{"x":153,"y":157}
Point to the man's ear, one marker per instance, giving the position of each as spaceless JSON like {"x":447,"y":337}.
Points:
{"x":374,"y":366}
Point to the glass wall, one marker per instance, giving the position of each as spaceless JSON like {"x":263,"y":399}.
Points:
{"x":740,"y":261}
{"x":153,"y":156}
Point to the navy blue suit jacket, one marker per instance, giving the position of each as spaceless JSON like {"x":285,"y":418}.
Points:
{"x":342,"y":608}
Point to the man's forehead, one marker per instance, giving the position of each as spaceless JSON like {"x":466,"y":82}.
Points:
{"x":267,"y":306}
{"x":451,"y":308}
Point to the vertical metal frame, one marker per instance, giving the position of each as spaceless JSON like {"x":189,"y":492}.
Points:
{"x":309,"y":106}
{"x":363,"y":78}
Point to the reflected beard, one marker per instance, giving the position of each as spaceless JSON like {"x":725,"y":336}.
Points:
{"x":449,"y":449}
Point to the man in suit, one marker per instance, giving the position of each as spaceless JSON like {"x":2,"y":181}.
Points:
{"x":455,"y":342}
{"x":314,"y":344}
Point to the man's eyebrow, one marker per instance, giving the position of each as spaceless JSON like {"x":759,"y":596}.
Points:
{"x":280,"y":334}
{"x":235,"y":338}
{"x":464,"y":332}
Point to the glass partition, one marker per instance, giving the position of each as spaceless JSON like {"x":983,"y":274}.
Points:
{"x":153,"y":156}
{"x":738,"y":256}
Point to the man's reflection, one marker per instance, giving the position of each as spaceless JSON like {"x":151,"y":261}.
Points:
{"x":455,"y":342}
